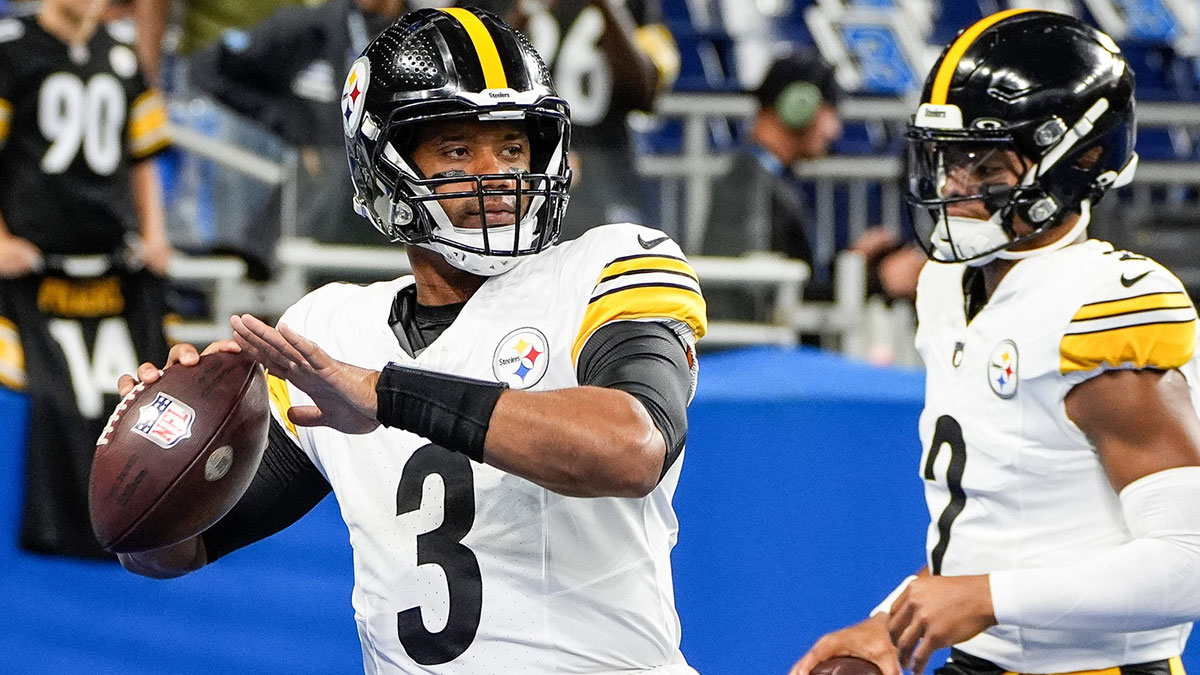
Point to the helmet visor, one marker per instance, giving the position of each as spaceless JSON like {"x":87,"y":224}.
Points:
{"x":949,"y":171}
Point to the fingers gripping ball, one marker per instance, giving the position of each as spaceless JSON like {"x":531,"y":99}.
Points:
{"x":177,"y":454}
{"x":846,"y":665}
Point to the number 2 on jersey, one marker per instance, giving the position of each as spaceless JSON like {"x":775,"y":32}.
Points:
{"x":947,"y":431}
{"x":442,"y":546}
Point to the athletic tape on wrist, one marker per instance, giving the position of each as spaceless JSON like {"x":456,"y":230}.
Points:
{"x":449,"y":410}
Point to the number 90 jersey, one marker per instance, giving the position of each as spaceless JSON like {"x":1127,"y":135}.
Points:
{"x":72,"y":119}
{"x":460,"y":567}
{"x":1010,"y":481}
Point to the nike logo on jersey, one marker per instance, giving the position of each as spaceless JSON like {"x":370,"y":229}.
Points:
{"x":1129,"y":281}
{"x":652,"y":243}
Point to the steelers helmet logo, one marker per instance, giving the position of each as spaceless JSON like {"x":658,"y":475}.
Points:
{"x":1002,"y":369}
{"x":354,"y":95}
{"x":521,"y":358}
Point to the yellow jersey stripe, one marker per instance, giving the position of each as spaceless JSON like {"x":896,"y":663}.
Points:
{"x":647,"y":263}
{"x":1138,"y":303}
{"x":1162,"y":345}
{"x":12,"y":357}
{"x":145,"y":102}
{"x":643,"y":302}
{"x":12,"y":381}
{"x":945,"y":73}
{"x":485,"y":47}
{"x":150,"y":146}
{"x":147,"y":128}
{"x":277,"y":389}
{"x":153,"y":121}
{"x":655,"y":41}
{"x":649,"y":284}
{"x":5,"y":119}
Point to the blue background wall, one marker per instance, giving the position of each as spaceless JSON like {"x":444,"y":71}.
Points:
{"x":800,"y":509}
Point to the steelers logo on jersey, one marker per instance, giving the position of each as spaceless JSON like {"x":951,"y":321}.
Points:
{"x":1002,"y":369}
{"x":521,"y":358}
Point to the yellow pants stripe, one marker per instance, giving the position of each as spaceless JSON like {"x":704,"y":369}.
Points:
{"x":1175,"y":664}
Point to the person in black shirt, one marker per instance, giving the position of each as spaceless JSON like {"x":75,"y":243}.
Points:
{"x":285,"y":73}
{"x":82,"y":246}
{"x":758,"y":205}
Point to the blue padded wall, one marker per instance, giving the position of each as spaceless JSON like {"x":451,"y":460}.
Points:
{"x":799,"y":503}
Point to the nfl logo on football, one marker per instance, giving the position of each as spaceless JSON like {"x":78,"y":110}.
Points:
{"x":165,"y":420}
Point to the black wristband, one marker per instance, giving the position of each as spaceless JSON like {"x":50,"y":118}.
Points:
{"x":449,"y":410}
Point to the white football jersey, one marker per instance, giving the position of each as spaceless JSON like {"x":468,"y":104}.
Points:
{"x":1010,"y":481}
{"x":460,"y":567}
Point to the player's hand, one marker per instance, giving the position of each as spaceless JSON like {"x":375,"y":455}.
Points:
{"x":867,"y":639}
{"x":874,"y":241}
{"x":155,"y":253}
{"x":344,"y":395}
{"x":936,"y":612}
{"x":899,"y":270}
{"x":18,"y":257}
{"x":181,"y":354}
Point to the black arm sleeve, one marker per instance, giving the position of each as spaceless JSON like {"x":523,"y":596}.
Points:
{"x":285,"y":488}
{"x":647,"y":360}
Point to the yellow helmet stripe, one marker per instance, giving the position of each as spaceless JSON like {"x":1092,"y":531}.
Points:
{"x":941,"y":83}
{"x":485,"y":47}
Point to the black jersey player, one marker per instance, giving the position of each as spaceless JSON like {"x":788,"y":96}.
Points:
{"x":77,"y":198}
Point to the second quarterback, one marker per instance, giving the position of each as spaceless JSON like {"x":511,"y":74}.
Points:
{"x":1062,"y":444}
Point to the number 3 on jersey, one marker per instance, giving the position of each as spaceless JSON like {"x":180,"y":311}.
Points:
{"x":442,"y":546}
{"x":947,"y":431}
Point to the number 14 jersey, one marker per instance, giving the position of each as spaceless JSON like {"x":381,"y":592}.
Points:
{"x":1011,"y":482}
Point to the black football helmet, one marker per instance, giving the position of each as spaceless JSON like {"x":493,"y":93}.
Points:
{"x":442,"y":64}
{"x":1045,"y":86}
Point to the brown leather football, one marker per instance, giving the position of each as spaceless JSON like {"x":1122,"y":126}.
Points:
{"x":177,"y":454}
{"x":846,"y":665}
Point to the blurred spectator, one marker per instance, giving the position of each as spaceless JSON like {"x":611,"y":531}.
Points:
{"x":202,"y":22}
{"x":758,"y":205}
{"x":213,"y":207}
{"x":286,"y":73}
{"x":80,"y":214}
{"x":608,"y":58}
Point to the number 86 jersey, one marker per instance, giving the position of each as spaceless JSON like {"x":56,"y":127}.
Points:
{"x":1010,"y":481}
